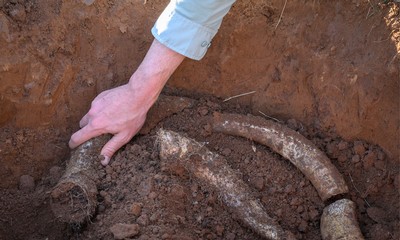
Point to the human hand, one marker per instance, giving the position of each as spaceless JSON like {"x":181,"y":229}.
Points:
{"x":122,"y":111}
{"x":119,"y":111}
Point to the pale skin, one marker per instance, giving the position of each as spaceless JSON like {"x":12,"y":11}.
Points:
{"x":122,"y":111}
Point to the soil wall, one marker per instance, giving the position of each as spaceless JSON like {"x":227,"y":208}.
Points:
{"x":334,"y":65}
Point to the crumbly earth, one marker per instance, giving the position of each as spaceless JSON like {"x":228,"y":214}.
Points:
{"x":137,"y":191}
{"x":331,"y":64}
{"x":334,"y":66}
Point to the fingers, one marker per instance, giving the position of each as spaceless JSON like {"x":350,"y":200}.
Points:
{"x":115,"y":143}
{"x":82,"y":136}
{"x":84,"y":121}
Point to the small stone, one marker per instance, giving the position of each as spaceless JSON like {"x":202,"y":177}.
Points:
{"x":26,"y":183}
{"x":122,"y":230}
{"x":136,"y":208}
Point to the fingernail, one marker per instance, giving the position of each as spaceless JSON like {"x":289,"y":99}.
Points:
{"x":104,"y":160}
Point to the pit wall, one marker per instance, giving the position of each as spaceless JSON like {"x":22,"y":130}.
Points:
{"x":333,"y":65}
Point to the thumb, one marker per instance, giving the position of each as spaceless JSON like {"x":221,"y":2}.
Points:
{"x":115,"y":143}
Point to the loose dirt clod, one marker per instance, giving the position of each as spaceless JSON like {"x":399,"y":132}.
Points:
{"x":213,"y":171}
{"x":312,"y":162}
{"x":338,"y":221}
{"x":123,"y":230}
{"x":74,"y":197}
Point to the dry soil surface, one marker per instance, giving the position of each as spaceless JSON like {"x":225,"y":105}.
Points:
{"x":156,"y":203}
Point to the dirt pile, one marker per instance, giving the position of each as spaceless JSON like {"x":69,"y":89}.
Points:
{"x":141,"y":197}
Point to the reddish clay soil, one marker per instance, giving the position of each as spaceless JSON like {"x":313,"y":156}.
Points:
{"x":327,"y":69}
{"x":136,"y":189}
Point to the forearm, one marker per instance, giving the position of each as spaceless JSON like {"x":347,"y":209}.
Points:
{"x":153,"y":73}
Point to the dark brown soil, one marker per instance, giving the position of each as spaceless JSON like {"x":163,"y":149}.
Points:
{"x":136,"y":189}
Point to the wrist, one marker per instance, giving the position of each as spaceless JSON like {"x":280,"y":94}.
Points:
{"x":146,"y":87}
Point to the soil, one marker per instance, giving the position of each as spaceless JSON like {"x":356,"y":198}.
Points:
{"x":137,"y":190}
{"x":329,"y":70}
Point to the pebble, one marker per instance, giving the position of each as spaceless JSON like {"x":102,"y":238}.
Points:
{"x":123,"y":230}
{"x":26,"y":183}
{"x":136,"y":208}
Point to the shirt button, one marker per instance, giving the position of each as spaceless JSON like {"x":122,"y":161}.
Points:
{"x":205,"y":44}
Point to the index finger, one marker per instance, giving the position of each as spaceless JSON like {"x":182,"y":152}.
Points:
{"x":82,"y":136}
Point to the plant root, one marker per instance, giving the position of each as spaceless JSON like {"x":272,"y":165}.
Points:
{"x":312,"y":162}
{"x":338,"y":221}
{"x":74,"y":198}
{"x":213,"y":171}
